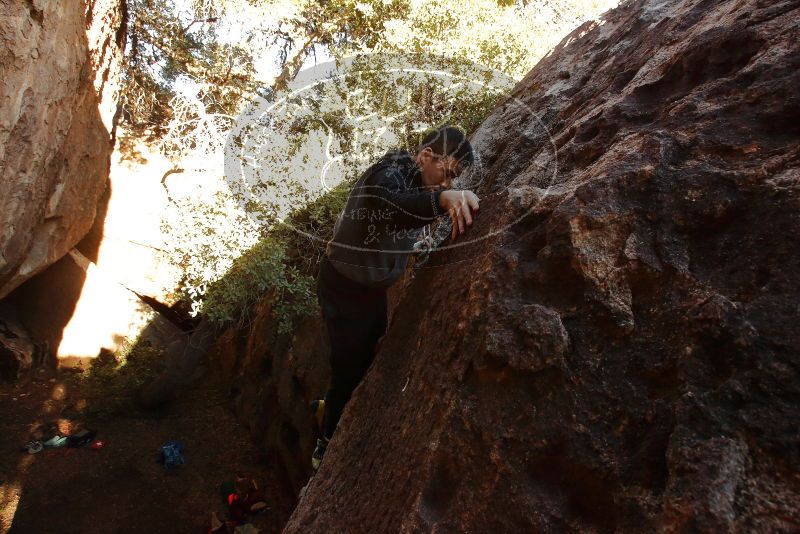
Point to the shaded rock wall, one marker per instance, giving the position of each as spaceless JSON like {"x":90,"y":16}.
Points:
{"x":59,"y":76}
{"x":272,"y":378}
{"x":619,"y":350}
{"x":626,"y":356}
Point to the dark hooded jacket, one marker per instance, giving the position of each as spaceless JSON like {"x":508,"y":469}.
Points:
{"x":375,"y":233}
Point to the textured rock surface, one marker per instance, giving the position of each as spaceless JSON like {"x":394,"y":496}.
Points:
{"x":59,"y":67}
{"x":87,"y":301}
{"x":272,"y":380}
{"x":625,"y":356}
{"x":17,"y":350}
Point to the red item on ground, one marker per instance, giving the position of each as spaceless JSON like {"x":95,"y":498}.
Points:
{"x":97,"y":445}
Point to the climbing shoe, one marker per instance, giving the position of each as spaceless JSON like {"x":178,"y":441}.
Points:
{"x":319,"y":452}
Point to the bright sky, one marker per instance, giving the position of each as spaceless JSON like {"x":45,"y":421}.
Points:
{"x":248,"y":18}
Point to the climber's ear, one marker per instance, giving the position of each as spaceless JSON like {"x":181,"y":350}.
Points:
{"x":426,"y":154}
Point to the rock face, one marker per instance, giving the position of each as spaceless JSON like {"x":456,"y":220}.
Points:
{"x":619,"y":350}
{"x":59,"y":71}
{"x":625,"y":357}
{"x":17,"y":350}
{"x":272,"y":379}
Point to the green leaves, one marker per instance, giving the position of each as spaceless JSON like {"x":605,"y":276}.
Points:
{"x":282,"y":268}
{"x":392,"y":92}
{"x":262,"y":272}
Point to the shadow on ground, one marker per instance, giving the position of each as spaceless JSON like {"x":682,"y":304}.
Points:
{"x":121,"y":488}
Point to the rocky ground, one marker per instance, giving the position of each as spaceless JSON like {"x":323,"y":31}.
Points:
{"x":121,"y":488}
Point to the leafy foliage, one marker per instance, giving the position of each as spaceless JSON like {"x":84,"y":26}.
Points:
{"x":164,"y":44}
{"x":187,"y":82}
{"x":281,"y":267}
{"x":262,"y":270}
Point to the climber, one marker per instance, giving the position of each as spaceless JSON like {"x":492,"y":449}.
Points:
{"x":372,"y":240}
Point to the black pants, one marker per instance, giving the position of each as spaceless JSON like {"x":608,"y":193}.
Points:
{"x":355,"y":316}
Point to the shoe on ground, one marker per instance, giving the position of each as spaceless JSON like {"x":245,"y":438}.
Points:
{"x":32,"y":447}
{"x":319,"y":452}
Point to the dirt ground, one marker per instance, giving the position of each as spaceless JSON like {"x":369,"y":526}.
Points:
{"x":121,"y":488}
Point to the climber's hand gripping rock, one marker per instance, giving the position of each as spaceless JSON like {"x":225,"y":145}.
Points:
{"x":460,"y":205}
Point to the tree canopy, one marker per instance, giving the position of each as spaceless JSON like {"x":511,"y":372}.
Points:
{"x":217,"y":84}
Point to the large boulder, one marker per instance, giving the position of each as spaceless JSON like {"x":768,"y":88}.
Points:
{"x":620,"y":351}
{"x":59,"y":81}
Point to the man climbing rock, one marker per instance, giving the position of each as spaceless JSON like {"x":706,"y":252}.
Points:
{"x":373,"y":237}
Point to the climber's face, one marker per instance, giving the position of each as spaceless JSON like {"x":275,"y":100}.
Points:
{"x":438,"y":172}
